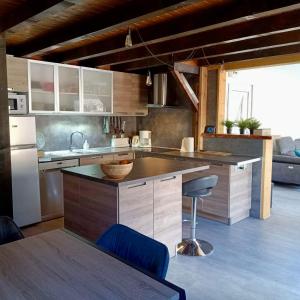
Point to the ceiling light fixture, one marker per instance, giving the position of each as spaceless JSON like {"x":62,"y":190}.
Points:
{"x":128,"y":40}
{"x":149,"y":80}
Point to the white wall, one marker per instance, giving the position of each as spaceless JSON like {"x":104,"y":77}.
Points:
{"x":276,"y":97}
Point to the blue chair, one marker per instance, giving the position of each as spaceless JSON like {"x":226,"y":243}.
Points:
{"x":136,"y":249}
{"x":9,"y":231}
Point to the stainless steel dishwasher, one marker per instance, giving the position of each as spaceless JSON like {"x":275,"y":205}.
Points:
{"x":51,"y":187}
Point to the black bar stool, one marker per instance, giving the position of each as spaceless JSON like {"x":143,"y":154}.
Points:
{"x":197,"y":189}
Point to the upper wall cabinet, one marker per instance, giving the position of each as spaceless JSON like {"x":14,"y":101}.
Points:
{"x":97,"y":90}
{"x":41,"y":87}
{"x":17,"y":74}
{"x":69,"y":88}
{"x":57,"y":88}
{"x":130,"y":94}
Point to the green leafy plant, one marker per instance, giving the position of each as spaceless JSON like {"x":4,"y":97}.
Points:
{"x":228,"y":123}
{"x":253,"y":123}
{"x":242,"y":123}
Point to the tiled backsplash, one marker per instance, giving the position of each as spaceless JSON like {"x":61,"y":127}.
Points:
{"x":56,"y":130}
{"x":168,"y":126}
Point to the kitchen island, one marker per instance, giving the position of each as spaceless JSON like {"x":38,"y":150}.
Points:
{"x":148,"y":200}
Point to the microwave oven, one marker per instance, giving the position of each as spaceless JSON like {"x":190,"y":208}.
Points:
{"x":17,"y":104}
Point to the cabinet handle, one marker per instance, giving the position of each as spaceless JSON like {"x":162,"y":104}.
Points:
{"x":137,"y":185}
{"x":290,"y":167}
{"x":95,"y":157}
{"x":169,"y":178}
{"x":59,"y":163}
{"x":122,"y":154}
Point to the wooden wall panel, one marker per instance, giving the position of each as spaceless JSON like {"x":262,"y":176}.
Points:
{"x":5,"y":165}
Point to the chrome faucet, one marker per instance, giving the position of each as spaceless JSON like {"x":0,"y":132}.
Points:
{"x":71,"y":139}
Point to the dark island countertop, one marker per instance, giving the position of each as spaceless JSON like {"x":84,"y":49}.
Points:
{"x":236,"y":160}
{"x":147,"y":168}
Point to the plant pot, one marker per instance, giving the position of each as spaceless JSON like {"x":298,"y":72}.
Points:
{"x":229,"y":130}
{"x":242,"y":130}
{"x":251,"y":131}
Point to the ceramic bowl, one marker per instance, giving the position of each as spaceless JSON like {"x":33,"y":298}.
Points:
{"x":117,"y":170}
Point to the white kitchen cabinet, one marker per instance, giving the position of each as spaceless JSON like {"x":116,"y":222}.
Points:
{"x":41,"y":87}
{"x":58,"y":88}
{"x":69,"y":88}
{"x":97,"y":91}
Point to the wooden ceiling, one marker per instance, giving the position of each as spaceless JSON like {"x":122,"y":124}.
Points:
{"x":92,"y":32}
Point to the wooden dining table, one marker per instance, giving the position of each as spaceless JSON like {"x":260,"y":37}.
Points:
{"x":58,"y":265}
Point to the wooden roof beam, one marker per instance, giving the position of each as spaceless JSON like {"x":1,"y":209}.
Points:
{"x":25,"y":10}
{"x":186,"y":88}
{"x":100,"y":24}
{"x":284,"y":22}
{"x":237,"y":12}
{"x":206,"y":54}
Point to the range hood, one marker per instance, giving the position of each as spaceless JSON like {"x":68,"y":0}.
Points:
{"x":158,"y":95}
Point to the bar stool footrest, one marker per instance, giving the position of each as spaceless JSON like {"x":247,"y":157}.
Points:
{"x":191,"y":247}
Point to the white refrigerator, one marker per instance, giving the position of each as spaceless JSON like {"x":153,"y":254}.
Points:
{"x":24,"y":168}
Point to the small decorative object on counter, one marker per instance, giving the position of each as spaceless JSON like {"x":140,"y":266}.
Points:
{"x":253,"y":124}
{"x":229,"y":125}
{"x":210,"y":129}
{"x":242,"y":124}
{"x":117,"y":170}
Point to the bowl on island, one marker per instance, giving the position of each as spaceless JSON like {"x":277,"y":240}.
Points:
{"x":117,"y":169}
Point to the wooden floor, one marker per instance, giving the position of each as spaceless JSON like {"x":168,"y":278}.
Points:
{"x":43,"y":227}
{"x":252,"y":260}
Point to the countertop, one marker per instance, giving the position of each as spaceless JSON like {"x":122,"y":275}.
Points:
{"x":236,"y":160}
{"x":77,"y":153}
{"x":147,"y":168}
{"x":170,"y":153}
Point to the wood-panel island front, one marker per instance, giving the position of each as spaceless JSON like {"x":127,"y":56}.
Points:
{"x":148,"y":200}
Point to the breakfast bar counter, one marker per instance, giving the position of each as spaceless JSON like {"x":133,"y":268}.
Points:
{"x":148,"y":199}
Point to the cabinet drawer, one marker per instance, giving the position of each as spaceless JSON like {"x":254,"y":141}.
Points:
{"x":60,"y":164}
{"x":121,"y":156}
{"x":136,"y":207}
{"x":96,"y":160}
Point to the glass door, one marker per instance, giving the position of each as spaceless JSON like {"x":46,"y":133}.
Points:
{"x":42,"y":87}
{"x":97,"y":91}
{"x":68,"y":84}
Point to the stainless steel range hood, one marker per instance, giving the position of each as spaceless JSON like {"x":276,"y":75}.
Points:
{"x":158,"y":97}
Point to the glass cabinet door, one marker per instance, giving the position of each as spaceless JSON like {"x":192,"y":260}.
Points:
{"x":42,"y":87}
{"x":97,"y":91}
{"x":68,"y":84}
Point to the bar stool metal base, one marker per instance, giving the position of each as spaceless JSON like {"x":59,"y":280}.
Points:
{"x":190,"y":247}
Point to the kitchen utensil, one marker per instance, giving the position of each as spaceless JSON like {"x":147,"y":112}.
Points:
{"x":117,"y":170}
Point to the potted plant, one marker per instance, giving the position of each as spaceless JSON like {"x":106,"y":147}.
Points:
{"x":228,"y":124}
{"x":242,"y":124}
{"x":253,"y":124}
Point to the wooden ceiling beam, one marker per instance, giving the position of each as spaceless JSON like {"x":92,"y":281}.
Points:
{"x":186,"y":88}
{"x":283,"y":50}
{"x":121,"y":16}
{"x":221,"y":50}
{"x":281,"y":23}
{"x":24,"y":11}
{"x":197,"y":22}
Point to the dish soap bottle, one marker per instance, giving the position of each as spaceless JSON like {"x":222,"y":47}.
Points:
{"x":86,"y":145}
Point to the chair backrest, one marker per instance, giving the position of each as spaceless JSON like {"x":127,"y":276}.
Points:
{"x":136,"y":249}
{"x":204,"y":184}
{"x":9,"y":231}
